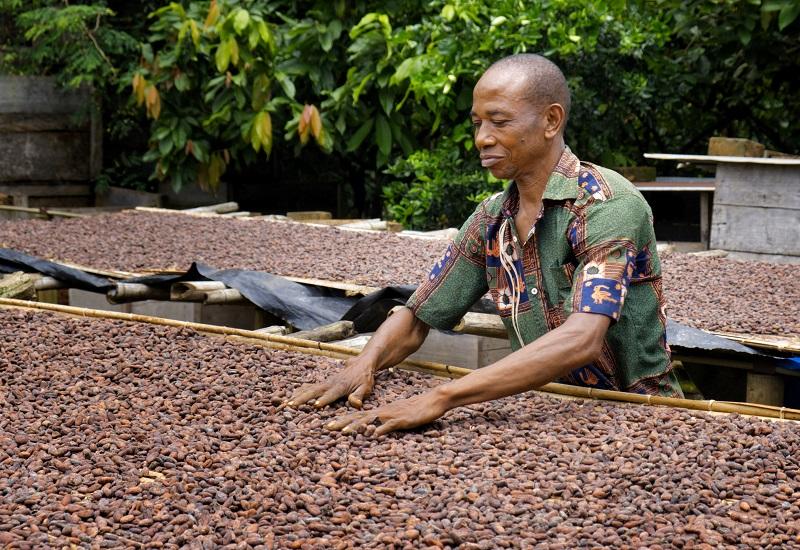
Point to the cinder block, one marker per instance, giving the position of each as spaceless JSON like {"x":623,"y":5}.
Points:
{"x":734,"y":147}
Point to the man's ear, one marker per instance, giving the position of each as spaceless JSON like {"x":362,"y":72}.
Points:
{"x":555,"y":117}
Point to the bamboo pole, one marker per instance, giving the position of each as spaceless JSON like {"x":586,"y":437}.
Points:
{"x":42,"y":212}
{"x":788,"y":344}
{"x":48,"y":283}
{"x":337,"y":351}
{"x":193,"y":291}
{"x":224,"y":296}
{"x":134,"y":292}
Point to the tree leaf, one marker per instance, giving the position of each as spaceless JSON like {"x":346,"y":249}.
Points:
{"x":386,"y":99}
{"x":383,"y":135}
{"x":788,"y":14}
{"x":316,"y":123}
{"x":213,"y":14}
{"x":241,"y":20}
{"x":223,"y":56}
{"x":358,"y":137}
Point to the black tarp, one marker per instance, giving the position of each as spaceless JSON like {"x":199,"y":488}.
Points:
{"x":308,"y":306}
{"x":12,"y":260}
{"x":303,"y":306}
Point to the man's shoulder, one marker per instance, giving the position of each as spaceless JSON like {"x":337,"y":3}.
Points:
{"x":603,"y":184}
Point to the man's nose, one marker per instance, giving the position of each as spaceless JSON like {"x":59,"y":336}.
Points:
{"x":484,"y":137}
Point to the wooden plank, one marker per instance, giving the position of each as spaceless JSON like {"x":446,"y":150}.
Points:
{"x":756,"y":229}
{"x":696,"y":186}
{"x":27,"y":122}
{"x":44,"y":156}
{"x":769,"y":186}
{"x":40,"y":95}
{"x":309,"y":215}
{"x":45,"y":190}
{"x":706,"y":159}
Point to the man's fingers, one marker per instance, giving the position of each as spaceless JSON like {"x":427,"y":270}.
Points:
{"x":304,"y":395}
{"x":386,"y":427}
{"x":356,"y":399}
{"x":350,"y":422}
{"x":331,"y":395}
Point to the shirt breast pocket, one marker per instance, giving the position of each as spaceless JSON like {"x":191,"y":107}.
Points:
{"x":559,"y":283}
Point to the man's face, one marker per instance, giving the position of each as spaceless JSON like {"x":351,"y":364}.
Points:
{"x":509,"y":128}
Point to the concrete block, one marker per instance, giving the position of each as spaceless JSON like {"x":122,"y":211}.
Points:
{"x":734,"y":147}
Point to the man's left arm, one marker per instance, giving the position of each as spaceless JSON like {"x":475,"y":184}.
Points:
{"x":575,"y":343}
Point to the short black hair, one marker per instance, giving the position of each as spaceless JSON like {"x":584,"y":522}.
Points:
{"x":546,"y":82}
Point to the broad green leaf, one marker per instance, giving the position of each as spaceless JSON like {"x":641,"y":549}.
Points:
{"x":448,"y":12}
{"x":241,"y":20}
{"x":223,"y":56}
{"x":383,"y":135}
{"x":386,"y":99}
{"x":286,"y":83}
{"x":358,"y":138}
{"x":182,"y":82}
{"x":788,"y":14}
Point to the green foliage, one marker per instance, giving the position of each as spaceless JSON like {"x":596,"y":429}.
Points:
{"x":385,"y":86}
{"x":72,"y":41}
{"x":206,"y":80}
{"x":437,"y":188}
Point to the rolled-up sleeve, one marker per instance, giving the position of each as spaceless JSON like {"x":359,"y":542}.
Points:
{"x":605,"y":241}
{"x":456,"y":281}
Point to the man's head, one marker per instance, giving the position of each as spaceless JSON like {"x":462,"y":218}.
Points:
{"x":519,"y":110}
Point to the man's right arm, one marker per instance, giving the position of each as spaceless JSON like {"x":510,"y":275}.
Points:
{"x":398,"y":337}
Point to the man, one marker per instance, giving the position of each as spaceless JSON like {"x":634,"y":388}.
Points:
{"x":561,"y":250}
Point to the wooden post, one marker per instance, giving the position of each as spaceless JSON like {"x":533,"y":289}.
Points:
{"x":766,"y":389}
{"x":705,"y":218}
{"x":221,"y":208}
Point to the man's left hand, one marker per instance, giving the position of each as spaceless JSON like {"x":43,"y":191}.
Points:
{"x":400,"y":415}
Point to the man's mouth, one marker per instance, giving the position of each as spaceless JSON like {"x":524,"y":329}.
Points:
{"x":489,"y":160}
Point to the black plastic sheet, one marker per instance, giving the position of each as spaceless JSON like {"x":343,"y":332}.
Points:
{"x":307,"y":306}
{"x":13,"y":260}
{"x":303,"y":306}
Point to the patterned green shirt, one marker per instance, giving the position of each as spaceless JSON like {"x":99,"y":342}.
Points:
{"x":593,"y":250}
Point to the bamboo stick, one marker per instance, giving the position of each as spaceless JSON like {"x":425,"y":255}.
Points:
{"x":193,"y":291}
{"x":224,"y":296}
{"x":134,"y":292}
{"x":48,"y":283}
{"x":332,"y":350}
{"x":44,"y":212}
{"x":777,"y":343}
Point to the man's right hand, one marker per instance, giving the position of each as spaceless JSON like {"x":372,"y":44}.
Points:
{"x":355,"y":381}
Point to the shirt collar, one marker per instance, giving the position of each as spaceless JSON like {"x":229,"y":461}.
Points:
{"x":561,"y":185}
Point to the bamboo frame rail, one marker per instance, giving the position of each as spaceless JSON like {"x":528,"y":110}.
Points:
{"x":338,"y":351}
{"x":42,"y":212}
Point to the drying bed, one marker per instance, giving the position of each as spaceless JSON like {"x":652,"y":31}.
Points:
{"x":115,"y":433}
{"x":706,"y":293}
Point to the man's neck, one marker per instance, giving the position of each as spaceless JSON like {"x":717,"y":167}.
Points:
{"x":531,"y":187}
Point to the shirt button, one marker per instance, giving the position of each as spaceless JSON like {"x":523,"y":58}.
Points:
{"x":534,"y":291}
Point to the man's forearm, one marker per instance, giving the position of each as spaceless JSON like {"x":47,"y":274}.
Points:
{"x":553,"y":355}
{"x":398,"y":337}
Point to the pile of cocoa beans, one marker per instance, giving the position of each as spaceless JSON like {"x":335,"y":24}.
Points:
{"x":118,"y":434}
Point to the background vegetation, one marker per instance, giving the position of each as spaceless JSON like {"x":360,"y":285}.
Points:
{"x":374,"y":96}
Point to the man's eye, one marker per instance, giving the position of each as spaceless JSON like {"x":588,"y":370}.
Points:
{"x":499,"y":123}
{"x":476,"y":123}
